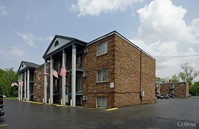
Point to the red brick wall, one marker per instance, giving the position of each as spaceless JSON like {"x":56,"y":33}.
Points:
{"x":91,"y":64}
{"x":39,"y":80}
{"x":127,"y":73}
{"x":181,"y":89}
{"x":148,"y":78}
{"x":127,"y":78}
{"x":187,"y":90}
{"x":123,"y":64}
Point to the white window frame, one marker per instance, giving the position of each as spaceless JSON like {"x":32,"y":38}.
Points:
{"x":102,"y":49}
{"x":102,"y":100}
{"x":172,"y":86}
{"x":102,"y":75}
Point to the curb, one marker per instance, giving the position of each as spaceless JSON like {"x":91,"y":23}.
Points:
{"x":111,"y":109}
{"x":32,"y":102}
{"x":58,"y":105}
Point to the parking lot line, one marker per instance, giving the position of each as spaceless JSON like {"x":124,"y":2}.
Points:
{"x":3,"y":125}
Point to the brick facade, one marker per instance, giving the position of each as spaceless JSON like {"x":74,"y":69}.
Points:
{"x":180,"y":89}
{"x":39,"y":84}
{"x":91,"y":64}
{"x":130,"y":71}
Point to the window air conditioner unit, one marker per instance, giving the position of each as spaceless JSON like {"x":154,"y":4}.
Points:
{"x":86,"y":50}
{"x":84,"y":98}
{"x":84,"y":74}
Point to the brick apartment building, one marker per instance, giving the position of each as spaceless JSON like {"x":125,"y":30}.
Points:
{"x":179,"y":89}
{"x":26,"y":78}
{"x":109,"y":71}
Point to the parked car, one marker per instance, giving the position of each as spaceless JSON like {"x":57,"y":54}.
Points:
{"x":2,"y":112}
{"x":172,"y":95}
{"x":159,"y":96}
{"x":165,"y":96}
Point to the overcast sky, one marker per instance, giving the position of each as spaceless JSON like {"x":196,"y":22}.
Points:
{"x":167,"y":30}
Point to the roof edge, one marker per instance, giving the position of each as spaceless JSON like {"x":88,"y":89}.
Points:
{"x":62,"y":37}
{"x":124,"y":38}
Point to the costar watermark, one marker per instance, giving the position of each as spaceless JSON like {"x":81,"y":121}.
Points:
{"x":186,"y":124}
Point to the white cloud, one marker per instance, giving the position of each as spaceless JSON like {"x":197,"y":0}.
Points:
{"x":16,"y":52}
{"x":95,"y":7}
{"x":162,"y":20}
{"x":11,"y":54}
{"x":163,"y":33}
{"x":28,"y":38}
{"x":3,"y":11}
{"x":194,"y":27}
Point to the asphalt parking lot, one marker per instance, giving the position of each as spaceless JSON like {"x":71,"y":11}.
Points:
{"x":165,"y":114}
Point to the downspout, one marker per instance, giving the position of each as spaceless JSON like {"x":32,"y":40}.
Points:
{"x":140,"y":76}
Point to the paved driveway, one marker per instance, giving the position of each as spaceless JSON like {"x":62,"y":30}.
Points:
{"x":166,"y":114}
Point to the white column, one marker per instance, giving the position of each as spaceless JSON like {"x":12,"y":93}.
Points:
{"x":28,"y":85}
{"x":25,"y":97}
{"x":21,"y":90}
{"x":45,"y":83}
{"x":19,"y":87}
{"x":74,"y":76}
{"x":51,"y":81}
{"x":63,"y":78}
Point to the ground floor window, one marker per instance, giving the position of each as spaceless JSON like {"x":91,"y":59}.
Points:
{"x":172,"y":92}
{"x":102,"y":102}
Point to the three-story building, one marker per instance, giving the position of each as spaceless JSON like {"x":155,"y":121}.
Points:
{"x":109,"y":71}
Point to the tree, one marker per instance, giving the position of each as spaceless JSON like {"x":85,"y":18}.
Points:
{"x":194,"y":89}
{"x":175,"y":78}
{"x":7,"y":77}
{"x":188,"y":73}
{"x":162,"y":80}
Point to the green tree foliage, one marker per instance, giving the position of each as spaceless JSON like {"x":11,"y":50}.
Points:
{"x":7,"y":77}
{"x":194,"y":89}
{"x":175,"y":78}
{"x":182,"y":76}
{"x":188,"y":73}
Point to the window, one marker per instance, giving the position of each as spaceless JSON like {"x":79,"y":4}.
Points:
{"x":79,"y":61}
{"x":102,"y":75}
{"x":101,"y":102}
{"x":56,"y":43}
{"x":79,"y":84}
{"x":172,"y":86}
{"x":102,"y":49}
